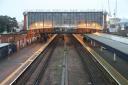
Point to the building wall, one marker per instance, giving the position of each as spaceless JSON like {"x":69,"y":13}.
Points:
{"x":20,"y":40}
{"x":62,"y":18}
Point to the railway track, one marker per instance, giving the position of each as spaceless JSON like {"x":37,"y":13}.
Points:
{"x":94,"y":70}
{"x":32,"y":74}
{"x":64,"y":62}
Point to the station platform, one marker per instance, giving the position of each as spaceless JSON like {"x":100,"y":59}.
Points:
{"x":113,"y":37}
{"x":116,"y":44}
{"x":12,"y":67}
{"x":121,"y":80}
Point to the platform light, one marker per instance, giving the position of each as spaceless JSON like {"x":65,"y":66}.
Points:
{"x":41,"y":24}
{"x":36,"y":24}
{"x":47,"y":25}
{"x":93,"y":24}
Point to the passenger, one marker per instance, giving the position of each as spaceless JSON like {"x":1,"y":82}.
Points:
{"x":45,"y":37}
{"x":9,"y":51}
{"x":63,"y":37}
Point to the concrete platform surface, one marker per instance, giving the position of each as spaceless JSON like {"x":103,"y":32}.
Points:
{"x":10,"y":64}
{"x":111,"y":69}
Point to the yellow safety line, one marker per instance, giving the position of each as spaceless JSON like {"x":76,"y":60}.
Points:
{"x":22,"y":65}
{"x":113,"y":72}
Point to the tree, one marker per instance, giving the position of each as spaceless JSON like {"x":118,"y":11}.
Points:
{"x":7,"y":24}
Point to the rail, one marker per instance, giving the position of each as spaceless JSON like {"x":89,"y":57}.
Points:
{"x":113,"y":72}
{"x":64,"y":80}
{"x":18,"y":72}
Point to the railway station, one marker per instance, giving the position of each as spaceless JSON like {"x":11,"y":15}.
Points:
{"x":63,"y":48}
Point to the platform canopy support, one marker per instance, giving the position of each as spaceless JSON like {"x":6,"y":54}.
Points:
{"x":114,"y":57}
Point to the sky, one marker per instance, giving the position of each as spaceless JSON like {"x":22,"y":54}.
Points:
{"x":15,"y":8}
